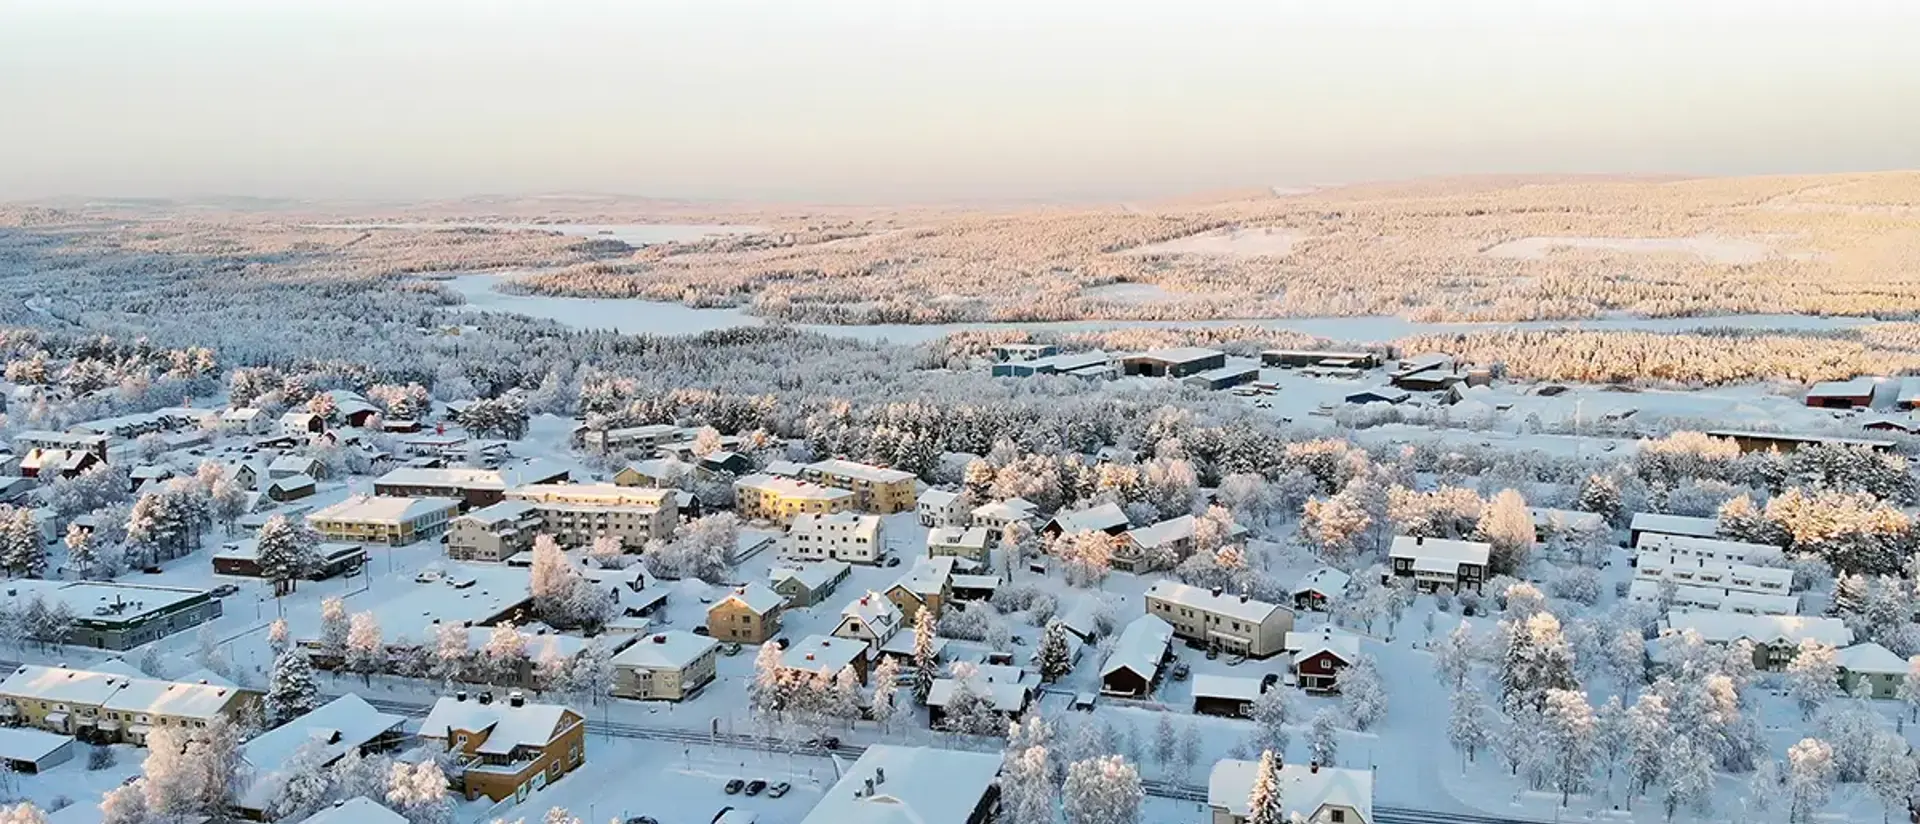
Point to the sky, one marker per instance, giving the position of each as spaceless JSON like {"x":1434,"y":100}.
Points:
{"x":901,"y":100}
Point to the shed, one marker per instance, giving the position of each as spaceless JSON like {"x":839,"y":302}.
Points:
{"x":31,"y":751}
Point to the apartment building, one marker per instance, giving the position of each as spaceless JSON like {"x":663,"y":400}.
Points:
{"x":841,"y":536}
{"x":384,"y":520}
{"x":969,"y":544}
{"x":1234,"y":623}
{"x":748,"y":614}
{"x":665,"y":666}
{"x":875,"y":489}
{"x":472,"y":487}
{"x":115,"y":616}
{"x":1433,"y":563}
{"x":493,"y":533}
{"x":778,"y":498}
{"x":1653,"y":565}
{"x":1775,"y":638}
{"x":110,"y":708}
{"x":575,"y":514}
{"x":505,"y":749}
{"x":940,"y":507}
{"x":1705,"y":549}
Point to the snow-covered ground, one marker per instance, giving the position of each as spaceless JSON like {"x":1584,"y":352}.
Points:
{"x":632,"y":234}
{"x":1710,"y":249}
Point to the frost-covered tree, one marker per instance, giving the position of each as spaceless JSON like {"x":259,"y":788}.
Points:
{"x":1647,"y":734}
{"x":1270,"y":712}
{"x":80,"y":553}
{"x":1189,"y":747}
{"x":885,"y":686}
{"x":1508,"y":526}
{"x":1026,"y":780}
{"x":1323,"y":737}
{"x":1536,"y":658}
{"x":593,"y":670}
{"x":1686,"y":771}
{"x":925,"y":664}
{"x":1809,"y":778}
{"x":1363,"y":695}
{"x":366,"y":653}
{"x":1568,"y":732}
{"x":1812,"y":676}
{"x":1453,"y":656}
{"x":419,"y":792}
{"x":505,"y":654}
{"x":126,"y":804}
{"x":291,"y":689}
{"x":1166,"y":741}
{"x":1467,"y":727}
{"x":450,"y":653}
{"x":1053,"y":658}
{"x":333,"y":627}
{"x":1265,"y":804}
{"x":1334,"y":528}
{"x":21,"y":547}
{"x":287,"y":551}
{"x":1103,"y":790}
{"x":1891,"y":773}
{"x":1909,"y":690}
{"x":1086,"y":557}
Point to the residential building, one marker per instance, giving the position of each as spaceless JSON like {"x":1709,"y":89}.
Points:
{"x":110,"y":708}
{"x":1319,"y":657}
{"x":1872,"y":665}
{"x":804,"y":585}
{"x":384,"y":520}
{"x":1847,"y":394}
{"x":291,"y":488}
{"x":57,"y":463}
{"x":1008,"y":690}
{"x":778,"y":498}
{"x":505,"y":748}
{"x":1718,"y":550}
{"x":928,"y":584}
{"x":1654,"y":565}
{"x":636,"y":438}
{"x":1163,"y":545}
{"x":247,"y":420}
{"x":970,"y":543}
{"x":723,"y":464}
{"x":870,"y":619}
{"x":940,"y":508}
{"x":996,"y":516}
{"x":1380,"y":394}
{"x":1108,"y":518}
{"x":473,"y":487}
{"x":1550,"y":522}
{"x":1649,"y":523}
{"x":493,"y":533}
{"x":1234,"y":623}
{"x":824,"y":656}
{"x":115,"y":616}
{"x":1133,"y":667}
{"x":1440,"y":562}
{"x":875,"y":489}
{"x":658,"y":473}
{"x":1319,"y":588}
{"x":576,"y":514}
{"x":1775,"y":638}
{"x":1690,"y":597}
{"x":356,"y":810}
{"x":301,"y":425}
{"x":67,"y":441}
{"x":922,"y":785}
{"x":1308,"y":792}
{"x":345,"y":724}
{"x":665,"y":666}
{"x":841,"y":536}
{"x":290,"y":465}
{"x":748,"y":614}
{"x":1231,"y":696}
{"x":1177,"y":362}
{"x":1784,"y":442}
{"x":242,"y":558}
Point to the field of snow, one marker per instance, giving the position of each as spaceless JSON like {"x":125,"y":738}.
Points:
{"x":1710,"y":249}
{"x":1264,"y":242}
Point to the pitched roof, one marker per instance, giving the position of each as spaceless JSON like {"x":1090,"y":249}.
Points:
{"x":1303,"y":789}
{"x":345,"y":723}
{"x":865,"y":472}
{"x":757,"y":598}
{"x":938,"y":498}
{"x":1213,"y":601}
{"x":911,"y":785}
{"x":1327,"y":581}
{"x":1444,"y":550}
{"x":1236,"y":687}
{"x":811,"y":575}
{"x":381,"y":509}
{"x":1093,"y":519}
{"x":1011,"y":509}
{"x":1724,"y":627}
{"x":361,"y":810}
{"x":1843,"y":389}
{"x":1304,"y":645}
{"x":1139,"y":647}
{"x":875,"y":610}
{"x":823,"y":654}
{"x":508,"y":726}
{"x":1870,"y":658}
{"x":1163,"y":533}
{"x":673,"y":649}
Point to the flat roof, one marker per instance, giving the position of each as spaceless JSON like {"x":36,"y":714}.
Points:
{"x":495,"y":589}
{"x":592,"y":494}
{"x":25,"y":744}
{"x":380,"y":509}
{"x":100,"y":602}
{"x":855,"y":469}
{"x":672,"y":649}
{"x":1177,"y":354}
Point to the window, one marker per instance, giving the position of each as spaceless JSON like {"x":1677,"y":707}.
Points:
{"x":1337,"y":816}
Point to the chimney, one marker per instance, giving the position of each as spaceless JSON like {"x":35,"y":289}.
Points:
{"x":869,"y":786}
{"x":1314,"y":768}
{"x":486,"y":698}
{"x":1243,"y":597}
{"x":1216,"y":592}
{"x":879,"y":775}
{"x":516,"y":698}
{"x":460,"y":696}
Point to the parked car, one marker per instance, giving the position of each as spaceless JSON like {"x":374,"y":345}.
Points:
{"x":827,"y":743}
{"x":1180,"y":671}
{"x":702,"y":630}
{"x":1083,"y":702}
{"x":779,"y":789}
{"x":893,"y":561}
{"x":152,"y":569}
{"x":734,"y":786}
{"x":642,"y":819}
{"x":732,"y":649}
{"x":755,"y":786}
{"x":224,"y":590}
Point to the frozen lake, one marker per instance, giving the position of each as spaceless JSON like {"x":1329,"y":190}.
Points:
{"x":658,"y":318}
{"x":632,"y":234}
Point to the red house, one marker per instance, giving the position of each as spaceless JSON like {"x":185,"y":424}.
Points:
{"x":1319,"y":657}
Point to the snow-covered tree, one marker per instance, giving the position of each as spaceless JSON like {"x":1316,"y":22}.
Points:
{"x":333,"y":627}
{"x":1189,"y":747}
{"x":1537,"y":658}
{"x":1909,"y":690}
{"x":1765,"y":786}
{"x":1166,"y":741}
{"x":593,"y":670}
{"x":1686,"y":771}
{"x":1334,"y":528}
{"x":1053,"y":657}
{"x":21,"y":547}
{"x":1453,"y":656}
{"x":1890,"y":773}
{"x":925,"y":664}
{"x":1508,"y":526}
{"x":1569,"y":731}
{"x":1086,"y":557}
{"x":288,"y":551}
{"x":1270,"y":712}
{"x":1104,"y":790}
{"x":1323,"y":737}
{"x":1265,"y":805}
{"x":1812,"y":676}
{"x":301,"y":785}
{"x":366,"y":653}
{"x":1809,"y":778}
{"x":450,"y":653}
{"x":80,"y":553}
{"x":1467,"y":723}
{"x":291,"y":689}
{"x":419,"y":792}
{"x":505,"y":653}
{"x":885,"y":684}
{"x":1363,"y":695}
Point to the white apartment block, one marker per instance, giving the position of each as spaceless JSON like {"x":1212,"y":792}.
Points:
{"x":1690,"y":598}
{"x":1706,"y":549}
{"x":841,"y":536}
{"x":575,"y":514}
{"x":1687,"y":570}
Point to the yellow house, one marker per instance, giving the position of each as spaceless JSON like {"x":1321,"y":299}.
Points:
{"x":383,"y":520}
{"x":749,"y":614}
{"x":875,"y":489}
{"x":108,"y":707}
{"x":506,"y":748}
{"x":778,"y":499}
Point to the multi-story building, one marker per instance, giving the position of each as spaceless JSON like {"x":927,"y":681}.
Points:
{"x":870,"y":618}
{"x":1775,"y":638}
{"x":968,"y":543}
{"x":777,"y":498}
{"x":658,"y":473}
{"x":575,"y":514}
{"x":841,"y":536}
{"x":1235,"y":623}
{"x":804,"y":585}
{"x":115,"y":616}
{"x":504,"y":749}
{"x":665,"y":666}
{"x":875,"y":489}
{"x":1311,"y":793}
{"x":748,"y":614}
{"x":928,"y":584}
{"x":112,"y":708}
{"x":1440,"y":562}
{"x":493,"y":533}
{"x":319,"y":738}
{"x":384,"y":520}
{"x":1705,"y":549}
{"x":924,"y":785}
{"x":824,"y":656}
{"x":473,"y":487}
{"x":942,"y":508}
{"x":1656,"y":566}
{"x":996,"y":516}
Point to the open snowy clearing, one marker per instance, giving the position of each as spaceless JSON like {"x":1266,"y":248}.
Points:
{"x":1265,"y":242}
{"x":1710,"y":249}
{"x":1134,"y":293}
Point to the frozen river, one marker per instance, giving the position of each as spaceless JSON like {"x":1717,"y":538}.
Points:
{"x":658,"y":318}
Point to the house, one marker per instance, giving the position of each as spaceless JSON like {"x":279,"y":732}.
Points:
{"x":241,"y":475}
{"x":1319,"y":657}
{"x":384,"y":520}
{"x":1436,"y":562}
{"x":1689,"y":597}
{"x":1293,"y":358}
{"x":1875,"y":666}
{"x":141,"y":477}
{"x":928,"y":584}
{"x":1909,"y":397}
{"x":290,"y":465}
{"x":996,"y":516}
{"x":1904,"y":426}
{"x":1008,"y":690}
{"x":969,"y":543}
{"x":1133,"y":667}
{"x":841,"y":536}
{"x":1007,"y":352}
{"x":913,"y":785}
{"x":1783,"y":442}
{"x":300,"y":425}
{"x":1654,"y":565}
{"x":1847,"y":394}
{"x":291,"y":488}
{"x":1161,"y":546}
{"x":33,"y":751}
{"x":1648,"y":523}
{"x":1231,"y":696}
{"x":57,"y":463}
{"x":1378,"y":395}
{"x":345,"y":724}
{"x":724,"y":463}
{"x":1550,"y":522}
{"x":804,"y":585}
{"x":247,"y":420}
{"x":1314,"y":793}
{"x":748,"y":614}
{"x":824,"y":656}
{"x":109,"y":708}
{"x":658,"y":473}
{"x":493,"y":533}
{"x":14,"y":488}
{"x":68,"y":441}
{"x":939,"y":507}
{"x":1319,"y":588}
{"x":871,"y":619}
{"x":1177,"y":362}
{"x":473,"y":487}
{"x":777,"y":498}
{"x":875,"y":489}
{"x":1775,"y":638}
{"x":1212,"y":618}
{"x":111,"y":615}
{"x":242,"y":558}
{"x":576,"y":514}
{"x":1706,"y":549}
{"x":1108,"y":518}
{"x":975,"y":587}
{"x":665,"y":666}
{"x":505,"y":748}
{"x":356,"y":810}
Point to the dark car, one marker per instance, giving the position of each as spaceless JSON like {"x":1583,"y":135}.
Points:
{"x":642,"y":819}
{"x":152,"y":570}
{"x":733,"y":787}
{"x":893,"y":561}
{"x":755,"y":786}
{"x":778,"y":790}
{"x":225,"y":590}
{"x":827,"y":743}
{"x":702,"y":630}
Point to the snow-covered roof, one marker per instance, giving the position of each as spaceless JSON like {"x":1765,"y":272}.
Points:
{"x":1909,"y":391}
{"x":865,"y":527}
{"x":1451,"y":553}
{"x":787,"y":487}
{"x":1870,"y":658}
{"x":874,"y":610}
{"x":64,"y":685}
{"x":100,"y":601}
{"x":1675,"y":524}
{"x":1011,"y":509}
{"x":240,"y":414}
{"x":1235,"y":687}
{"x":927,"y":576}
{"x":1388,"y":394}
{"x":1327,"y":581}
{"x":757,"y":598}
{"x":361,"y":810}
{"x":380,"y":509}
{"x":1853,"y":388}
{"x":1163,"y":533}
{"x":976,"y":582}
{"x":1304,"y":789}
{"x":911,"y":785}
{"x":1214,"y":602}
{"x":812,"y":575}
{"x":464,"y":594}
{"x":1080,"y":619}
{"x":670,"y":650}
{"x":1723,"y":599}
{"x":292,"y":463}
{"x":903,"y":642}
{"x":504,"y":512}
{"x":938,"y":498}
{"x":1656,"y":564}
{"x":24,"y":744}
{"x":507,"y":726}
{"x":147,"y":695}
{"x":840,"y":467}
{"x":1555,"y":519}
{"x":1688,"y":546}
{"x":345,"y":723}
{"x":1005,"y":696}
{"x":823,"y":654}
{"x":661,"y":468}
{"x":965,"y":538}
{"x":785,"y":469}
{"x":593,"y":495}
{"x":1095,"y":519}
{"x":1726,"y":627}
{"x":1139,"y":647}
{"x":292,"y":482}
{"x":468,"y":477}
{"x":1304,"y":645}
{"x":1178,"y":354}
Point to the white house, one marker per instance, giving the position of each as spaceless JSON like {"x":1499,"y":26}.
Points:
{"x":939,"y":507}
{"x":870,"y":618}
{"x":996,"y":516}
{"x":301,"y":425}
{"x":841,"y":536}
{"x":1437,"y":562}
{"x":1317,"y":794}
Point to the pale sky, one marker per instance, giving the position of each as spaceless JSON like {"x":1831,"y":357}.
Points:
{"x":894,"y":100}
